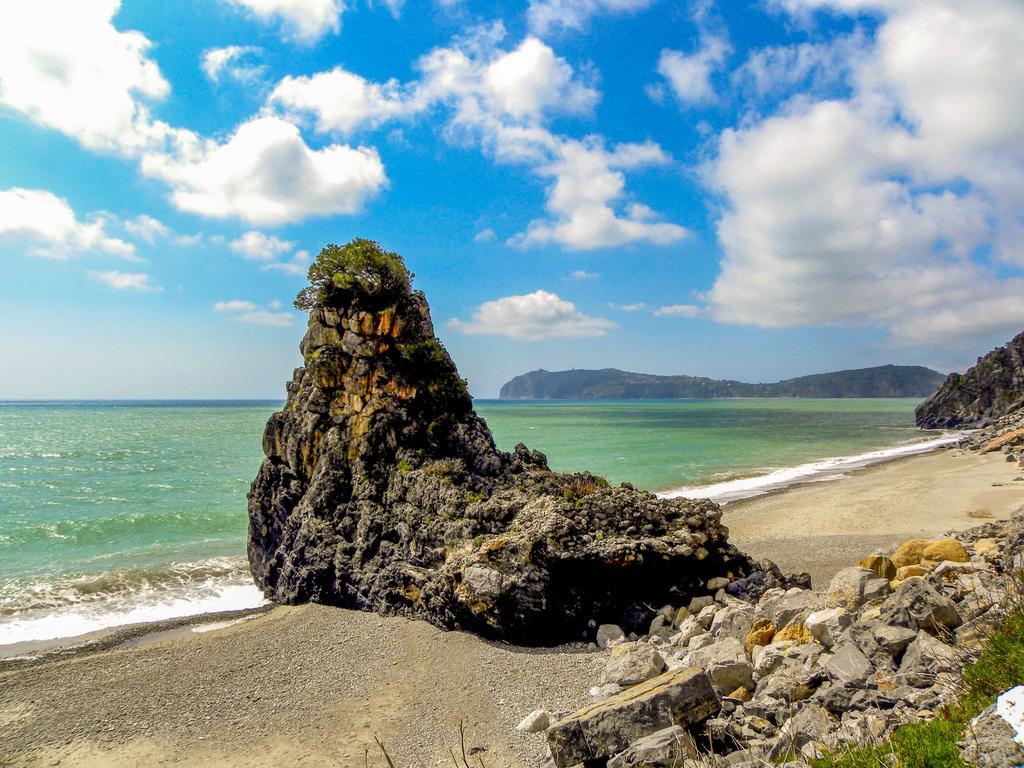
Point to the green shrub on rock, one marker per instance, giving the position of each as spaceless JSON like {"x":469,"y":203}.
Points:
{"x":361,"y":266}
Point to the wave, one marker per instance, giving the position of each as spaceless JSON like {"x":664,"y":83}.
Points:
{"x":75,"y":605}
{"x":813,"y":472}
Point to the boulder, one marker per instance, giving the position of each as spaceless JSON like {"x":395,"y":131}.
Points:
{"x":945,"y":549}
{"x":986,"y":546}
{"x":607,"y":728}
{"x":927,"y":658}
{"x":909,"y":571}
{"x":917,"y":605}
{"x":892,"y":639}
{"x":609,"y":634}
{"x":849,"y":665}
{"x":792,"y":607}
{"x":909,"y":552}
{"x":382,"y":489}
{"x":632,"y":664}
{"x":667,"y":748}
{"x":988,"y":742}
{"x":876,"y":589}
{"x":811,"y":724}
{"x":761,"y":633}
{"x":726,"y":664}
{"x":883,"y":567}
{"x":535,"y":722}
{"x":846,"y":590}
{"x":686,"y":631}
{"x":734,"y":622}
{"x":827,"y":625}
{"x":794,"y":633}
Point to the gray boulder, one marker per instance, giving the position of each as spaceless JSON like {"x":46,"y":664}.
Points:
{"x":812,"y":724}
{"x":632,"y":664}
{"x":667,"y":748}
{"x":917,"y":605}
{"x":846,"y":589}
{"x":609,"y":634}
{"x":848,"y":665}
{"x":535,"y":722}
{"x":733,"y":622}
{"x":988,"y":742}
{"x":827,"y":625}
{"x":791,"y":607}
{"x":726,"y":664}
{"x":926,"y":658}
{"x":607,"y":728}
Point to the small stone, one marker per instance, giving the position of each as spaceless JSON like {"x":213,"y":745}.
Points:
{"x":698,"y":604}
{"x":599,"y":692}
{"x":608,"y":635}
{"x":740,"y":694}
{"x":717,"y":583}
{"x":535,"y":722}
{"x":826,"y":626}
{"x":945,"y":549}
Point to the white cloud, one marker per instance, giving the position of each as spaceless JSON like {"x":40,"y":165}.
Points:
{"x":266,"y":174}
{"x":547,"y":16}
{"x":126,"y":281}
{"x":230,"y":61}
{"x":234,"y":305}
{"x":679,"y":310}
{"x":304,"y":21}
{"x":64,"y":66}
{"x":500,"y":100}
{"x":485,"y":236}
{"x":241,"y":311}
{"x":344,"y":102}
{"x":298,"y":264}
{"x":582,"y":274}
{"x":260,"y":247}
{"x":629,"y":308}
{"x":48,"y":227}
{"x":872,"y":210}
{"x":535,"y":316}
{"x":811,"y":66}
{"x":689,"y":75}
{"x":146,"y":228}
{"x":588,"y":180}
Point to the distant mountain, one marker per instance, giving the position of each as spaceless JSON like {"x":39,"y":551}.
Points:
{"x":990,"y":389}
{"x":613,"y":384}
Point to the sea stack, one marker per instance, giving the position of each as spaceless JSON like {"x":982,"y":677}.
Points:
{"x":992,"y":388}
{"x":383,"y":490}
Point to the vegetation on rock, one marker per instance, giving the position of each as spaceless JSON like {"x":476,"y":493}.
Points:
{"x":360,"y":266}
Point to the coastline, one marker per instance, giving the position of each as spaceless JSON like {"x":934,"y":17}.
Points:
{"x":298,"y":684}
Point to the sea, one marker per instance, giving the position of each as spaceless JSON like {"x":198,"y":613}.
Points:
{"x":113,"y":513}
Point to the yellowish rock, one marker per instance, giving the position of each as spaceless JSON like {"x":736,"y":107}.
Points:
{"x":986,"y":546}
{"x":796,"y":633}
{"x":740,"y":694}
{"x":881,"y":565}
{"x":945,"y":549}
{"x":760,"y":634}
{"x":909,"y":552}
{"x":910,"y":570}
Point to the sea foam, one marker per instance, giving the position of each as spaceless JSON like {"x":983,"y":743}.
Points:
{"x":813,"y":472}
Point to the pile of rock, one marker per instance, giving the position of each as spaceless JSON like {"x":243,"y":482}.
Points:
{"x":790,"y":672}
{"x":1005,"y":434}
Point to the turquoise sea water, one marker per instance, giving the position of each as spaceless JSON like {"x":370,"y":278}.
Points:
{"x":118,"y":512}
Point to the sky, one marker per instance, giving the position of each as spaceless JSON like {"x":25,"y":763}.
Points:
{"x":746,"y":189}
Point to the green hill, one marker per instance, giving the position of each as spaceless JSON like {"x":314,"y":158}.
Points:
{"x":613,"y":384}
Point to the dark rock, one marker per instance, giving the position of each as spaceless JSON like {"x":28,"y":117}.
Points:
{"x":383,"y":490}
{"x":926,"y":658}
{"x":917,"y":605}
{"x":607,"y":728}
{"x":667,"y":748}
{"x":990,"y":389}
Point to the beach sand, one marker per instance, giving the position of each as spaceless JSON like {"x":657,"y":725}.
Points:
{"x":313,"y":686}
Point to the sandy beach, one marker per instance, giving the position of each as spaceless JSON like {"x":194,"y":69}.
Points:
{"x":314,"y":686}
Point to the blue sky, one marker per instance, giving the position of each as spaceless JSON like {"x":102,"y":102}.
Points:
{"x":752,"y":190}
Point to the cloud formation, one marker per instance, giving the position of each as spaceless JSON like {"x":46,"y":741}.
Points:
{"x":126,"y":281}
{"x":878,"y":209}
{"x":531,"y":317}
{"x":303,"y":21}
{"x":549,"y":16}
{"x":230,"y":61}
{"x":48,"y":227}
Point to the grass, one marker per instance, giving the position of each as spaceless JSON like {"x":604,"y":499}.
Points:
{"x":998,"y":666}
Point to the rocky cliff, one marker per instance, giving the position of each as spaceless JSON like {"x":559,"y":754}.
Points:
{"x":993,"y":388}
{"x":382,"y":490}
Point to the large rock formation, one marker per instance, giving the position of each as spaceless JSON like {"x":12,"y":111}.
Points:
{"x":383,"y":490}
{"x":992,"y":388}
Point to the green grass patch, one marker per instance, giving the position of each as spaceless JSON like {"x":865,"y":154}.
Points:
{"x":999,"y":666}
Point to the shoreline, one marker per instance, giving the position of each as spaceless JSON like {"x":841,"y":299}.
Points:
{"x":753,"y":487}
{"x":303,"y":685}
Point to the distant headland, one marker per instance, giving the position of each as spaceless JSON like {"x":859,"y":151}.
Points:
{"x":613,"y":384}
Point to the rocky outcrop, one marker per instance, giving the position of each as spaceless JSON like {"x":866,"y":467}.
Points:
{"x":993,"y":388}
{"x":383,"y":490}
{"x":827,"y":678}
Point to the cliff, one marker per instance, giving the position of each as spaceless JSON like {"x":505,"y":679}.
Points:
{"x":382,"y":490}
{"x":611,"y":383}
{"x":992,"y":388}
